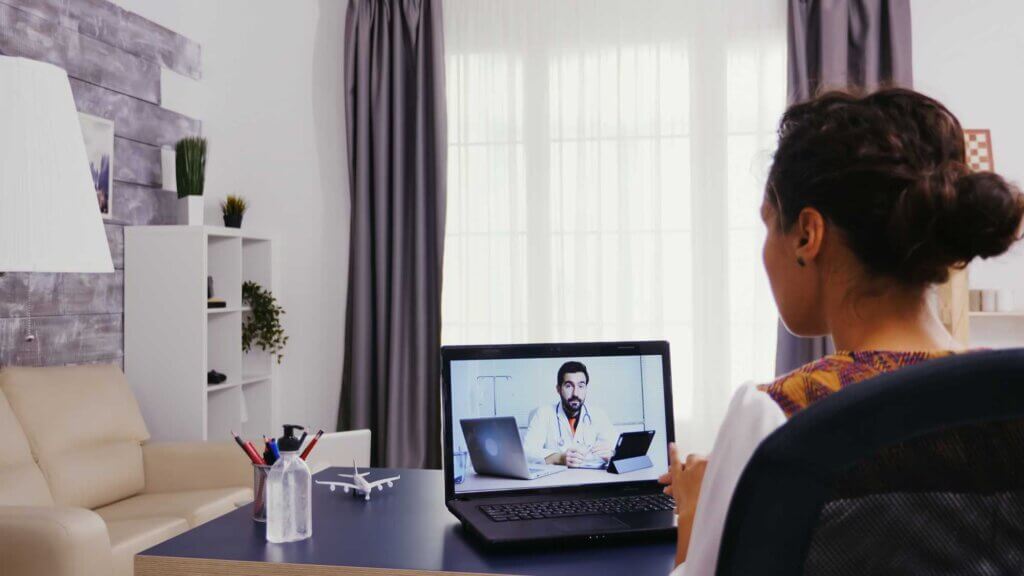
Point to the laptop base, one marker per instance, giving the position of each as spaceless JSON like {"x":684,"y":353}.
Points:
{"x":554,"y":532}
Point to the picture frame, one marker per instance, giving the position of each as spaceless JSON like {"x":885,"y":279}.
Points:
{"x":978,"y":149}
{"x":98,"y":134}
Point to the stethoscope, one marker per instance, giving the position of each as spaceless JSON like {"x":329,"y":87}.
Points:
{"x":561,"y":440}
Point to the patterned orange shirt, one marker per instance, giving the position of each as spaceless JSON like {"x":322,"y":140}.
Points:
{"x":816,"y":380}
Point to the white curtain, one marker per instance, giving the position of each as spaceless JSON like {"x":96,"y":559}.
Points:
{"x":606,"y":166}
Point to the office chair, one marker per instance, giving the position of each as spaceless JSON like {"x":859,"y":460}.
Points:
{"x":918,"y":471}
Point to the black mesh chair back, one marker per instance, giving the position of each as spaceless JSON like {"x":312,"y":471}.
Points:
{"x":918,"y":471}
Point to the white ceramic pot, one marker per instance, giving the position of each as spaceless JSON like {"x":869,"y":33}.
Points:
{"x":190,"y":210}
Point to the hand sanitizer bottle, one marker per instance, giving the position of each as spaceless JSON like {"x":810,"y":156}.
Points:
{"x":289,"y":485}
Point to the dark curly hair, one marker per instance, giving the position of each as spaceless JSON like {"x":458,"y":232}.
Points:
{"x":571,"y":367}
{"x":888,"y":170}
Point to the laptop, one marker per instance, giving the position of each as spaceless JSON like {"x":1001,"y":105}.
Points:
{"x":558,"y":407}
{"x":496,"y":449}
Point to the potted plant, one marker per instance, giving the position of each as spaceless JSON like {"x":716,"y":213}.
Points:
{"x":262,"y":324}
{"x":233,"y":208}
{"x":190,"y":174}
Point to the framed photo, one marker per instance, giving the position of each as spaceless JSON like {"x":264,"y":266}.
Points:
{"x":978,"y":147}
{"x":98,"y":134}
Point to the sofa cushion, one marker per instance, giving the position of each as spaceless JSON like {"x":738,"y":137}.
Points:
{"x":84,"y":428}
{"x":21,"y":481}
{"x":129,"y":537}
{"x":195,"y":506}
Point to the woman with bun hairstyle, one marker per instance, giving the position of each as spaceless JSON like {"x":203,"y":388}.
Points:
{"x":869,"y":203}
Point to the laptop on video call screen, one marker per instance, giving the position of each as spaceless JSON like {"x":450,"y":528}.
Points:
{"x":549,"y":422}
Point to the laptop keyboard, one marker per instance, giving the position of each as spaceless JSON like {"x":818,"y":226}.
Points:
{"x":563,"y":508}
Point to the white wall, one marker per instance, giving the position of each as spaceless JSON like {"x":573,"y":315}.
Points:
{"x":970,"y":56}
{"x":271,"y":102}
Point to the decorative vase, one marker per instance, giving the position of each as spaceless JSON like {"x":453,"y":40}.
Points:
{"x":190,"y":210}
{"x":233,"y":220}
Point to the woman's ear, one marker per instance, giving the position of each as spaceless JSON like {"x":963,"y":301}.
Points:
{"x":809,"y":232}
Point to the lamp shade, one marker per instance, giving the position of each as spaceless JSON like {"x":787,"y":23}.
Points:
{"x":49,"y":217}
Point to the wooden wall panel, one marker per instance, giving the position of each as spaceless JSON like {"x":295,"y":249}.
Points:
{"x":119,"y":362}
{"x":90,"y":60}
{"x":113,"y":58}
{"x":122,"y":29}
{"x":143,"y":205}
{"x":92,"y":293}
{"x":133,"y":118}
{"x":115,"y":239}
{"x":62,"y":340}
{"x":61,"y":294}
{"x":137,"y":163}
{"x":18,"y":290}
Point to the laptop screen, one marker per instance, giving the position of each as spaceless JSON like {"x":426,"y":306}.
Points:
{"x":516,"y":422}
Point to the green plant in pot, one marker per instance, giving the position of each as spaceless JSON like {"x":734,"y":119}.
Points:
{"x":190,"y":166}
{"x":190,"y":176}
{"x":262,"y":325}
{"x":233,"y":208}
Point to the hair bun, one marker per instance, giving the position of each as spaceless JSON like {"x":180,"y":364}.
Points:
{"x":986,"y":217}
{"x":888,"y":171}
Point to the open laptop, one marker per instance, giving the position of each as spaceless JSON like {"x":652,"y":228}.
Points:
{"x":496,"y":449}
{"x":506,"y":408}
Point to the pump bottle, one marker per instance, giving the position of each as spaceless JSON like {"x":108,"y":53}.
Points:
{"x":289,"y":485}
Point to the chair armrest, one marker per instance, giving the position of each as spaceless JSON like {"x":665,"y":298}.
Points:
{"x":340,"y":449}
{"x":177,"y":466}
{"x":54,"y":541}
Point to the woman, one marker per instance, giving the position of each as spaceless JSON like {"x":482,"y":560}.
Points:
{"x":868,"y":204}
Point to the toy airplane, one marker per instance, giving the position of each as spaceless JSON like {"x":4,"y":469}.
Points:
{"x":359,"y":483}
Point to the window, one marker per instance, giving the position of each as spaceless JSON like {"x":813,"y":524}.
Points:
{"x":606,"y":165}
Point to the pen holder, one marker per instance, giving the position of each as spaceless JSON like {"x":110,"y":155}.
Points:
{"x":259,"y":492}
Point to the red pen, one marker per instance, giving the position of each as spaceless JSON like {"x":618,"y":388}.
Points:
{"x":248,"y":449}
{"x":311,"y":444}
{"x":254,"y":455}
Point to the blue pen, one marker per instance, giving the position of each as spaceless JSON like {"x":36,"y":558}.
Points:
{"x":273,"y":448}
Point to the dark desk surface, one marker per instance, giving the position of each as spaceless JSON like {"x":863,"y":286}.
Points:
{"x":402,"y":530}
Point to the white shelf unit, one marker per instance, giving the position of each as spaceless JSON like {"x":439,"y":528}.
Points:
{"x":172,"y":339}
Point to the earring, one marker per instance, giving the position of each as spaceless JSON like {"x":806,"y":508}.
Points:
{"x":800,"y":261}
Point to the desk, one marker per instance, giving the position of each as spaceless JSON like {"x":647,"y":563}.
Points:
{"x":573,"y":476}
{"x":405,"y":531}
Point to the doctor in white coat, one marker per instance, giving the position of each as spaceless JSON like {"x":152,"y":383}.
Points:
{"x":569,"y":431}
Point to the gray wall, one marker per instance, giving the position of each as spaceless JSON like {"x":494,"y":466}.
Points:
{"x":114,"y":58}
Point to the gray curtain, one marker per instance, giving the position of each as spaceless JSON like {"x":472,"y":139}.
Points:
{"x":397,"y":144}
{"x":839,"y":44}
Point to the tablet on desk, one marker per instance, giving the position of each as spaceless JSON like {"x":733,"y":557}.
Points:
{"x":631,"y":452}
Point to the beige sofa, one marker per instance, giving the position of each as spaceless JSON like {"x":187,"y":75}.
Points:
{"x":81,"y":491}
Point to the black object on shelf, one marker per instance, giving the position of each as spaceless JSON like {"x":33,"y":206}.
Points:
{"x":214,"y":377}
{"x":216,"y":303}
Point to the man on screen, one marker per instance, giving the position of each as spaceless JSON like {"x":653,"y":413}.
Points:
{"x":569,"y":431}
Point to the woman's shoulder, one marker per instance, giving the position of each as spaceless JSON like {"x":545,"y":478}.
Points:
{"x":812,"y":381}
{"x":815,"y":380}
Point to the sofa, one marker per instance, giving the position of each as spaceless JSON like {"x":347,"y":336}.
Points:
{"x":81,"y":488}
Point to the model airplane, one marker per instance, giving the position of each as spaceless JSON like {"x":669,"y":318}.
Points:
{"x":359,"y":483}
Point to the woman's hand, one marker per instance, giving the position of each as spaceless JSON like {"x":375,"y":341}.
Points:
{"x":683,"y":484}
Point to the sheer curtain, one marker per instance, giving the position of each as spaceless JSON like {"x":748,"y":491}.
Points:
{"x":606,"y":165}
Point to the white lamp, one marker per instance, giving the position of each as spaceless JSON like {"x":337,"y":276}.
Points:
{"x":49,"y":218}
